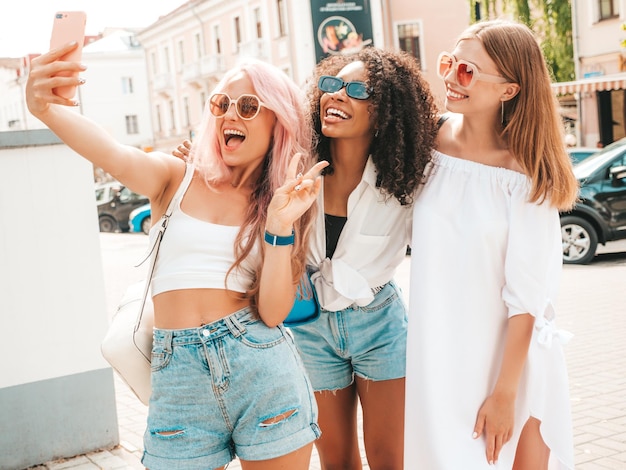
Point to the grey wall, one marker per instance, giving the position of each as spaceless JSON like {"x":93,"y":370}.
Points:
{"x":55,"y":418}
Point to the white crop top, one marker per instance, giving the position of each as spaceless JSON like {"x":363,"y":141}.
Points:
{"x":198,"y":254}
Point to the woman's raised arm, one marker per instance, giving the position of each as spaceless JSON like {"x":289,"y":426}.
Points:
{"x":147,"y":174}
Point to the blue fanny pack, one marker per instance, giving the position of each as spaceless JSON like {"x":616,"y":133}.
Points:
{"x":306,"y":307}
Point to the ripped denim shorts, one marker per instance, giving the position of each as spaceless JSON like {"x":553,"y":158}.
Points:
{"x":234,"y":387}
{"x":369,"y":342}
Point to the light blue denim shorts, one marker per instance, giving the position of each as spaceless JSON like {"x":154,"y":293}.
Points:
{"x":367,"y":341}
{"x":232,"y":387}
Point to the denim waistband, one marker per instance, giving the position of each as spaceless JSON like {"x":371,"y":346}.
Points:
{"x":233,"y":324}
{"x":376,"y":290}
{"x":384,"y":291}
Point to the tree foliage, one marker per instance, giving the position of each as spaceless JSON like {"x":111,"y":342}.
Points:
{"x":551,"y":20}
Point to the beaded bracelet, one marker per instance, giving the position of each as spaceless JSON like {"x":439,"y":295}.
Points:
{"x":276,"y":240}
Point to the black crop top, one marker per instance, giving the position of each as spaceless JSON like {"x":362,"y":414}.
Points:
{"x":334,"y":226}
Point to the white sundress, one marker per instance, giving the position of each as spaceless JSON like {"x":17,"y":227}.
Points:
{"x":480,"y":254}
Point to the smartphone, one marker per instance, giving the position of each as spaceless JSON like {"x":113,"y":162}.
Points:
{"x":68,"y":26}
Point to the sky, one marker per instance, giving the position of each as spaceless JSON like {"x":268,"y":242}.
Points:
{"x":25,"y":25}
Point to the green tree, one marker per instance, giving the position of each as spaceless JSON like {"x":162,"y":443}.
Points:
{"x":551,"y":20}
{"x":557,"y":43}
{"x":521,"y":11}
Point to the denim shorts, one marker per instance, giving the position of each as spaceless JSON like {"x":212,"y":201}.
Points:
{"x":367,"y":341}
{"x":234,"y":387}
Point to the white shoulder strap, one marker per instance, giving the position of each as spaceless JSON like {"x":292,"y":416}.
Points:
{"x":182,"y":188}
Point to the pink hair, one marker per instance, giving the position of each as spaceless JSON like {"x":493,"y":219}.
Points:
{"x":291,"y":133}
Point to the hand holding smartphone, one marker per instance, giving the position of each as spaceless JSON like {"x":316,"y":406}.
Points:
{"x":68,"y":26}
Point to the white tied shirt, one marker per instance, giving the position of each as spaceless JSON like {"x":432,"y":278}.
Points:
{"x":371,"y":246}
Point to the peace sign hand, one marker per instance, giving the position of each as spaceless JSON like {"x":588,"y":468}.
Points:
{"x":294,"y":197}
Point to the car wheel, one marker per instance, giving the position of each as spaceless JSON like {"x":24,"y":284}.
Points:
{"x":579,"y":240}
{"x":146,"y":224}
{"x":108,"y":224}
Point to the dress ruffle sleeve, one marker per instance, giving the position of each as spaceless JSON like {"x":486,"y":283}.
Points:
{"x":532,"y":274}
{"x":534,"y":256}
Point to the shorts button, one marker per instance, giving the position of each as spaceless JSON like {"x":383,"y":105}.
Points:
{"x":206,"y":333}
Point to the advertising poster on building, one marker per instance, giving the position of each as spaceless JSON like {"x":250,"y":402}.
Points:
{"x":341,"y":27}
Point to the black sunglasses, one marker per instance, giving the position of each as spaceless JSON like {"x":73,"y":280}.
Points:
{"x":356,"y":90}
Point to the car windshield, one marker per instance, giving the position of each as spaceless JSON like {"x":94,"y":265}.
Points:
{"x":103,"y":194}
{"x":588,"y":166}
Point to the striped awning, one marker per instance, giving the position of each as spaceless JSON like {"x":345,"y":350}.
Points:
{"x":604,"y":83}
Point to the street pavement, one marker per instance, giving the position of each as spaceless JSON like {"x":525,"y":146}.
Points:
{"x":591,"y":304}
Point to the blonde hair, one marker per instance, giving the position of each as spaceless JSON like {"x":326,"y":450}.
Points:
{"x":532,"y":125}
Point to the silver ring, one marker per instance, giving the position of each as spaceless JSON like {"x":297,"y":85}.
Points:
{"x":297,"y":187}
{"x":298,"y":176}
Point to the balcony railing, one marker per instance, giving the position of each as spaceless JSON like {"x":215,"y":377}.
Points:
{"x":256,"y":49}
{"x":212,"y":65}
{"x":163,"y":81}
{"x":191,"y":71}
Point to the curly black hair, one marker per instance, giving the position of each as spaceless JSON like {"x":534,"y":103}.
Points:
{"x":404,"y":112}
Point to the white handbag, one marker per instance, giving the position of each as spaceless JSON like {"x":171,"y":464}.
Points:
{"x":127,"y":346}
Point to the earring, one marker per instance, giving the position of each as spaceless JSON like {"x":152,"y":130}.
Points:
{"x":376,"y":133}
{"x":502,"y":113}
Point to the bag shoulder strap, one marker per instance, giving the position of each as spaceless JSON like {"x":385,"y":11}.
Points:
{"x":162,"y":223}
{"x":154,"y":250}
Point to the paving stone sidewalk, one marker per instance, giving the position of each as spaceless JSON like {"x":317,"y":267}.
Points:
{"x":591,"y":304}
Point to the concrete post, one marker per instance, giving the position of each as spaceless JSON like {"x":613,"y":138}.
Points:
{"x":57,"y":396}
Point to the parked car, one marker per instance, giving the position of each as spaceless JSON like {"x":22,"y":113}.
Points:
{"x":115,"y":202}
{"x":139,"y":219}
{"x":578,"y":154}
{"x":600,"y":214}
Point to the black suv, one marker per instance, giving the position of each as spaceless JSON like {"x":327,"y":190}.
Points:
{"x":115,"y":202}
{"x":600,"y":213}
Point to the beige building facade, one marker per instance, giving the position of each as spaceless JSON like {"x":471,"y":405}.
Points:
{"x":189,"y":50}
{"x":597,"y":95}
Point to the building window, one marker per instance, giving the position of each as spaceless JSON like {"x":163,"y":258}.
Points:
{"x":172,"y":115}
{"x":237,"y":26}
{"x":477,"y":11}
{"x":132,"y":126}
{"x":127,"y":86}
{"x":257,"y":22}
{"x":608,"y":9}
{"x":218,"y":43}
{"x":166,"y":59}
{"x":158,"y":119}
{"x":155,"y":63}
{"x":409,"y":38}
{"x":282,"y":17}
{"x":181,"y":54}
{"x":186,"y":111}
{"x":198,"y":46}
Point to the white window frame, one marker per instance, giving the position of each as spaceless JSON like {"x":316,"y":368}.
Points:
{"x":216,"y":32}
{"x":128,"y":87}
{"x":132,"y":124}
{"x":237,"y":20}
{"x":180,"y":46}
{"x":422,"y":49}
{"x":282,"y":18}
{"x":197,"y":39}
